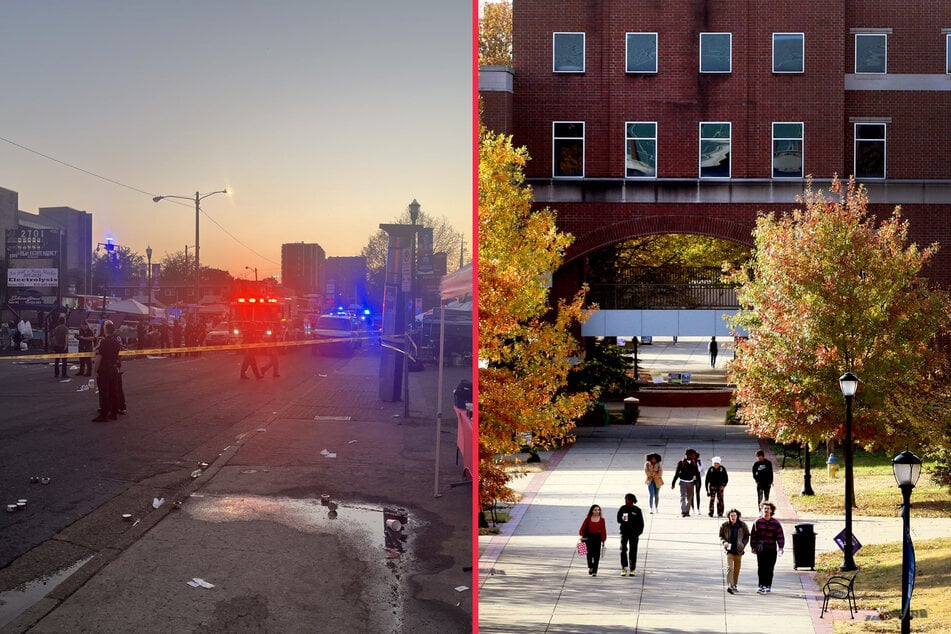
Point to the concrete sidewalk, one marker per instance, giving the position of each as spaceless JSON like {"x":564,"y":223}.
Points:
{"x":532,"y":580}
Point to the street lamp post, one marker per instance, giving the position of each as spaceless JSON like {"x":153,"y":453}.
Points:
{"x":807,"y":474}
{"x":255,"y":269}
{"x":907,"y":468}
{"x":198,"y":198}
{"x":148,"y":255}
{"x":113,"y":257}
{"x":849,"y":383}
{"x":414,"y":216}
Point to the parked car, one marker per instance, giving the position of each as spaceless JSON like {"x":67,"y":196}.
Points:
{"x":221,"y":335}
{"x":343,"y":329}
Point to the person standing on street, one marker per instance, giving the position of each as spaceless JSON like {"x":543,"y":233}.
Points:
{"x":713,"y":348}
{"x":249,"y":360}
{"x":767,"y":540}
{"x":734,"y":536}
{"x":716,"y":482}
{"x":177,"y":337}
{"x":689,"y":475}
{"x":60,"y":339}
{"x":106,"y":366}
{"x":631,"y":522}
{"x":763,"y":475}
{"x":594,"y":534}
{"x":655,"y":479}
{"x":86,"y":338}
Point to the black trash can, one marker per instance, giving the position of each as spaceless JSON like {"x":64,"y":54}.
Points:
{"x":804,"y":547}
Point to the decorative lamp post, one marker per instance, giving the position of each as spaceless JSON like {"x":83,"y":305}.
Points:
{"x":849,"y":383}
{"x":413,"y":216}
{"x":907,"y":468}
{"x":198,"y":198}
{"x":807,"y":473}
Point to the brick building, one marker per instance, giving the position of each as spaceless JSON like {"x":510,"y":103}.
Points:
{"x":644,"y":117}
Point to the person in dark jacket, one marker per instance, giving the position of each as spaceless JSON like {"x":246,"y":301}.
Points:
{"x":715,"y":483}
{"x":734,"y":536}
{"x":688,"y":472}
{"x":60,"y":343}
{"x":631,"y":522}
{"x":594,"y":534}
{"x":768,"y":541}
{"x":106,"y":366}
{"x":763,"y":475}
{"x":86,"y":339}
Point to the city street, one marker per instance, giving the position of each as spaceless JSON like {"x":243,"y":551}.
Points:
{"x":240,"y":468}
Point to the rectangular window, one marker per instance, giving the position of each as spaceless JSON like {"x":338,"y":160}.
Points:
{"x":568,"y":52}
{"x":869,"y":150}
{"x":642,"y":52}
{"x":947,"y":54}
{"x":871,"y":53}
{"x":716,"y":52}
{"x":789,"y":52}
{"x":715,"y":150}
{"x":568,"y":149}
{"x":640,"y":156}
{"x":787,"y":150}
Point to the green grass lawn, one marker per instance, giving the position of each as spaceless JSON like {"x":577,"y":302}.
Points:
{"x":878,"y":586}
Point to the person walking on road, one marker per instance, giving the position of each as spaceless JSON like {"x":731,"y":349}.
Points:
{"x":768,"y":541}
{"x":689,"y":475}
{"x":249,"y":360}
{"x":631,"y":522}
{"x":60,"y":339}
{"x":716,"y":482}
{"x":713,"y":348}
{"x":594,"y":534}
{"x":734,"y":536}
{"x":763,"y":475}
{"x":655,"y":480}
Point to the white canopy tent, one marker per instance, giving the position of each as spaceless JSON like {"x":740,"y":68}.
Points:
{"x":453,"y":287}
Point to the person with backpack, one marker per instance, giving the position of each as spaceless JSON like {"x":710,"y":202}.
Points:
{"x":631,"y":525}
{"x":763,"y":475}
{"x":716,"y":482}
{"x":688,"y":472}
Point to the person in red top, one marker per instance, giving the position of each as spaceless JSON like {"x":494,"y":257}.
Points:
{"x":594,"y":533}
{"x":767,"y":541}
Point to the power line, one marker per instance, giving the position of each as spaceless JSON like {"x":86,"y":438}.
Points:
{"x":137,"y":190}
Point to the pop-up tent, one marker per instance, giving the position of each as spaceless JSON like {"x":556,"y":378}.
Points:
{"x":455,"y":287}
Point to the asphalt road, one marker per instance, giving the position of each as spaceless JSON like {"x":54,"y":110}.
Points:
{"x":261,"y":440}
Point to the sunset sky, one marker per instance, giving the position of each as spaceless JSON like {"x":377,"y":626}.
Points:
{"x":324,"y":119}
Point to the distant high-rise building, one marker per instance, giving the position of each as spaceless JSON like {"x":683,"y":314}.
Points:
{"x":302,"y":267}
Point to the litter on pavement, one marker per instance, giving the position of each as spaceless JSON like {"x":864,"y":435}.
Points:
{"x":200,"y":583}
{"x":157,"y":502}
{"x":327,"y":454}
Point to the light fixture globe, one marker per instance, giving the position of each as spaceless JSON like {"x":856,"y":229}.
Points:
{"x":849,"y":384}
{"x":907,"y":468}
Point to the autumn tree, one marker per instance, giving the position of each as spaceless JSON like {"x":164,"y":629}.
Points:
{"x":829,"y":290}
{"x":524,"y":346}
{"x":113,"y":266}
{"x":495,"y":34}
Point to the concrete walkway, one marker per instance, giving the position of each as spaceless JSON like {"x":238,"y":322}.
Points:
{"x":531,"y":579}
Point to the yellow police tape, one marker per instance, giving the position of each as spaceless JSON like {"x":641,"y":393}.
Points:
{"x":169,"y":351}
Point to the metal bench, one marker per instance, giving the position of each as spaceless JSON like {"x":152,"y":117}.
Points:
{"x":792,"y":450}
{"x":839,"y":587}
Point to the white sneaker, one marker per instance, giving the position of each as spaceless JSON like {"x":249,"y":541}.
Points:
{"x":623,"y":572}
{"x":762,"y":590}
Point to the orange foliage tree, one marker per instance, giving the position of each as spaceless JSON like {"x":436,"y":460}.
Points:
{"x":524,"y":346}
{"x":495,"y":34}
{"x":830,"y":290}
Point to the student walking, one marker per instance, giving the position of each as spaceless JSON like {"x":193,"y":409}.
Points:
{"x":688,"y":472}
{"x":716,"y":482}
{"x":655,"y":480}
{"x":631,"y":525}
{"x":594,"y":534}
{"x":734,"y":536}
{"x":767,"y":540}
{"x":763,"y":475}
{"x":713,"y":349}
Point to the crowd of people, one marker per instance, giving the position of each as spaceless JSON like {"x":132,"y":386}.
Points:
{"x":765,"y":538}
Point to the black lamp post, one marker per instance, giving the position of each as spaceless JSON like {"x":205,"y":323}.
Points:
{"x":807,"y":474}
{"x":255,"y":269}
{"x":849,"y":383}
{"x":148,"y":254}
{"x":907,"y":468}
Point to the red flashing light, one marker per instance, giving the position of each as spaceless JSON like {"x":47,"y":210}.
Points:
{"x":240,"y":300}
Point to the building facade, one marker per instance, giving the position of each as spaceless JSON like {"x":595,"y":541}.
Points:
{"x":302,"y":268}
{"x":691,"y":117}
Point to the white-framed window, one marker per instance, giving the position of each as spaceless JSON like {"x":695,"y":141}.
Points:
{"x":567,"y":52}
{"x":871,"y":53}
{"x":787,"y":149}
{"x":947,"y":53}
{"x":869,"y":150}
{"x":715,"y":142}
{"x":716,"y":52}
{"x":567,"y":149}
{"x":789,"y":52}
{"x":640,"y":149}
{"x":641,"y":53}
